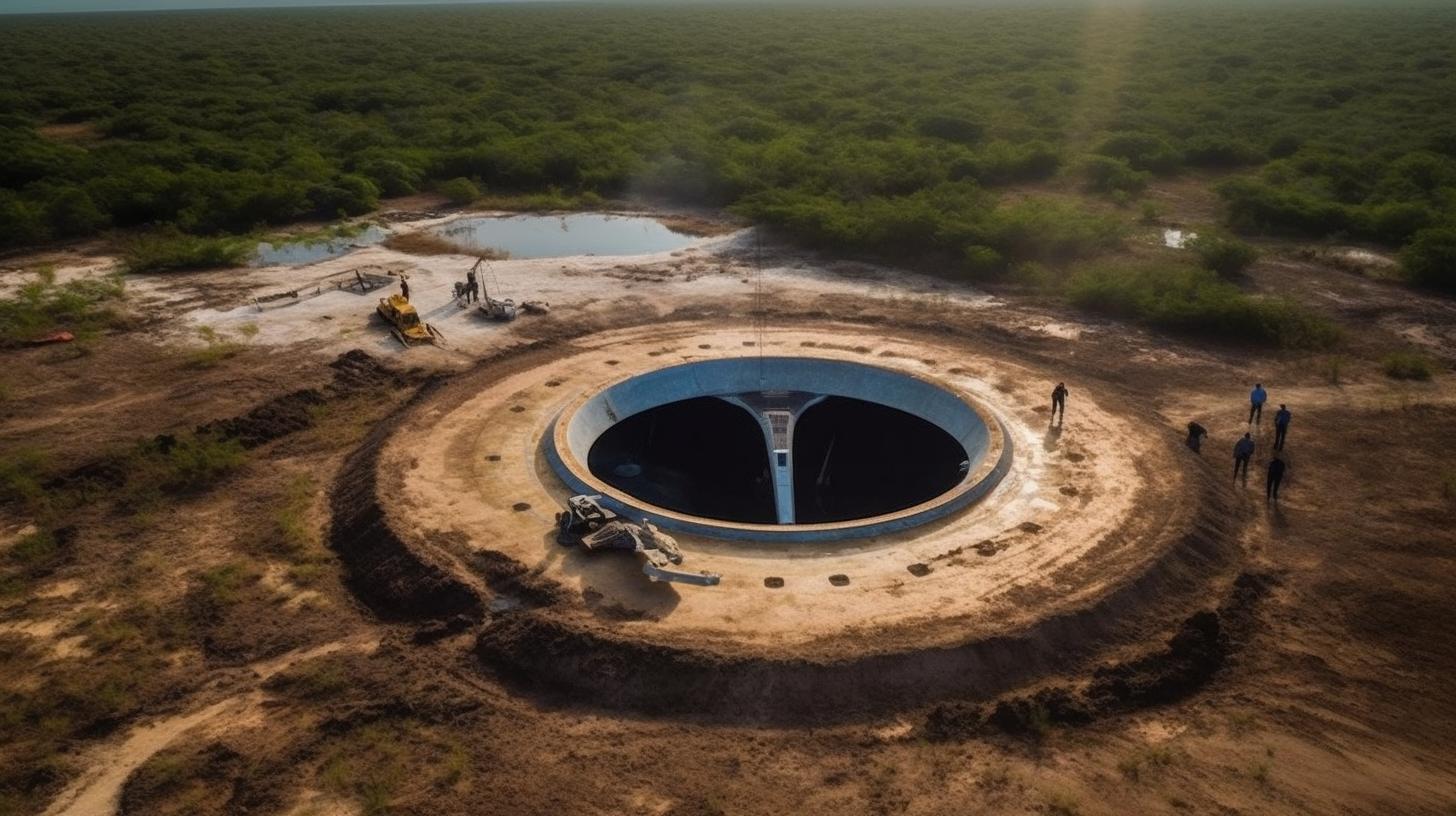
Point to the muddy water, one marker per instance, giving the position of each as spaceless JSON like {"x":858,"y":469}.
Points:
{"x":301,"y":253}
{"x":552,"y":236}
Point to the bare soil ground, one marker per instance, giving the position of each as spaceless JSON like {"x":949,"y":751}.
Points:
{"x":202,"y":650}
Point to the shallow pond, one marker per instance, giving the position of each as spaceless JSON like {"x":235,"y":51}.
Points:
{"x":551,"y":236}
{"x":300,"y":253}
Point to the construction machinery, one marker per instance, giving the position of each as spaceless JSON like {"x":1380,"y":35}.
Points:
{"x":405,"y":323}
{"x":492,"y":308}
{"x":587,"y":523}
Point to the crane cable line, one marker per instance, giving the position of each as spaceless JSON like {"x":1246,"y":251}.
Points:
{"x":760,"y":313}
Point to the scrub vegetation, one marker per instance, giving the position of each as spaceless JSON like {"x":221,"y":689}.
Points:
{"x":945,"y":138}
{"x":85,"y":307}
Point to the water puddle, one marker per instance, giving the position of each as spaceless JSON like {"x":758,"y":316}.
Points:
{"x":553,"y":236}
{"x":302,"y":253}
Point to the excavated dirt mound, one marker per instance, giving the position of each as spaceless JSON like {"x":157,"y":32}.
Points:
{"x":1105,"y":536}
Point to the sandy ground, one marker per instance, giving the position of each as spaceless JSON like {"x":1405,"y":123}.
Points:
{"x":1335,"y":699}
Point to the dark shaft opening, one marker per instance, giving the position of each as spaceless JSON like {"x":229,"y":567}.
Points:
{"x":702,"y":456}
{"x":854,"y":459}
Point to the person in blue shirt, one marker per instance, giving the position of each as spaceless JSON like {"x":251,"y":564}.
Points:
{"x":1256,"y":403}
{"x":1281,"y":426}
{"x":1243,"y":451}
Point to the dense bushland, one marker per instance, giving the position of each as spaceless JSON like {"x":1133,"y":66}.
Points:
{"x":1196,"y":301}
{"x":878,"y":130}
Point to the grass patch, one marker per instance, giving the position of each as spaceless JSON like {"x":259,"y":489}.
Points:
{"x":370,"y":765}
{"x":551,"y":200}
{"x":1061,"y":803}
{"x":84,"y":307}
{"x":190,"y":463}
{"x":1197,"y":302}
{"x":693,"y":225}
{"x":21,"y":475}
{"x":35,"y":552}
{"x":1408,"y":365}
{"x":290,"y":520}
{"x":172,"y":250}
{"x":428,"y":243}
{"x":217,"y":349}
{"x":322,"y":679}
{"x":1139,"y":763}
{"x":227,"y":585}
{"x":322,"y":235}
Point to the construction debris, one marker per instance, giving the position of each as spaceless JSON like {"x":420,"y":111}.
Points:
{"x":587,"y":523}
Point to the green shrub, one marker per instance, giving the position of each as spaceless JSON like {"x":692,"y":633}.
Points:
{"x":1218,"y":151}
{"x":1106,"y":174}
{"x":1197,"y":301}
{"x":983,"y":262}
{"x":459,"y":191}
{"x":1050,"y":230}
{"x":1225,"y":255}
{"x":1143,"y":151}
{"x":170,"y":250}
{"x":1408,"y":365}
{"x":1430,"y":259}
{"x":950,"y":127}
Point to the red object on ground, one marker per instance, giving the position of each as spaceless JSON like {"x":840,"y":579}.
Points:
{"x":54,"y":337}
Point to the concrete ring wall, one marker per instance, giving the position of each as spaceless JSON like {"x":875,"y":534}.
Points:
{"x":979,"y":432}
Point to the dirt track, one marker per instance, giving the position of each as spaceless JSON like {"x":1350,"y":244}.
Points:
{"x":1324,"y":687}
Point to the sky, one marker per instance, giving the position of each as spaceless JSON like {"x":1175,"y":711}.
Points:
{"x":44,"y":6}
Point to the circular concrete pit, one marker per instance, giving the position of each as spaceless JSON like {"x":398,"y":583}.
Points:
{"x":779,"y":449}
{"x":999,"y":545}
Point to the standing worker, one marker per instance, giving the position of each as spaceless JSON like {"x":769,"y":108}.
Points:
{"x":1256,"y":403}
{"x":1243,"y":450}
{"x":1059,"y":400}
{"x":404,"y":288}
{"x":1196,"y":433}
{"x":472,"y":287}
{"x":1276,"y":475}
{"x":1281,"y":425}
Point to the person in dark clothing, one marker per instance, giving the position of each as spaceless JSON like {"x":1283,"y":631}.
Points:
{"x":1243,"y":451}
{"x":1059,"y":401}
{"x":404,"y":289}
{"x":1276,"y":475}
{"x":472,"y":286}
{"x":1281,"y":426}
{"x":1196,"y":433}
{"x":1257,"y":398}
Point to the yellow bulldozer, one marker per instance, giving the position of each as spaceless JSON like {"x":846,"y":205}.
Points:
{"x":405,"y":323}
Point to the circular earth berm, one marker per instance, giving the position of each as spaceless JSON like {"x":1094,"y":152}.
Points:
{"x":1100,"y":531}
{"x":750,"y":448}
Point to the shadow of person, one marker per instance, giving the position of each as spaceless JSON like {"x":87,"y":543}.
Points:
{"x":1053,"y":436}
{"x":1278,"y":522}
